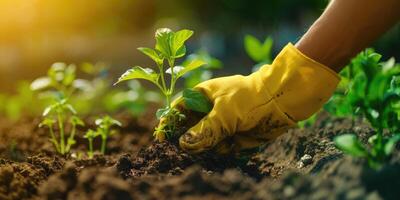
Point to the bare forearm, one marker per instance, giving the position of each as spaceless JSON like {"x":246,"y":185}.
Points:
{"x":345,"y":28}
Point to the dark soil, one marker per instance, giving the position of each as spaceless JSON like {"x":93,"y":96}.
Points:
{"x":301,"y":164}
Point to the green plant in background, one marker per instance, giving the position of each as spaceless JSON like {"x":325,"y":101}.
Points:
{"x":169,"y":47}
{"x":203,"y":73}
{"x":61,"y":114}
{"x":136,"y":100}
{"x":373,"y":92}
{"x":104,"y":125}
{"x":13,"y":106}
{"x":90,"y":135}
{"x":60,"y":81}
{"x":259,"y":52}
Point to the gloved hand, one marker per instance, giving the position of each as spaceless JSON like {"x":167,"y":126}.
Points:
{"x":250,"y":110}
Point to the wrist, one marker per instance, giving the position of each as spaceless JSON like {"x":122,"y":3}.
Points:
{"x":326,"y":46}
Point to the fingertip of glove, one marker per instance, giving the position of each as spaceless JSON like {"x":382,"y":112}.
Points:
{"x":191,"y":143}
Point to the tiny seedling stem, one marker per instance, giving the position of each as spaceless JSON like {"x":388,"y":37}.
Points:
{"x":104,"y":141}
{"x":53,"y":138}
{"x":103,"y":146}
{"x":71,"y":138}
{"x":61,"y":126}
{"x":90,"y":153}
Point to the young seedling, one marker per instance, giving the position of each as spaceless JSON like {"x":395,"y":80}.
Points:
{"x":90,"y":135}
{"x":58,"y":113}
{"x":74,"y":121}
{"x":49,"y":123}
{"x":104,"y":130}
{"x":374,"y":94}
{"x":169,"y":47}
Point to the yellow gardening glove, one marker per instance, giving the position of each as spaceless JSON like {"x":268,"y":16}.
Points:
{"x":250,"y":110}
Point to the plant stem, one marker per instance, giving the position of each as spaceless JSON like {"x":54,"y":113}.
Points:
{"x":71,"y":138}
{"x":173,"y":79}
{"x":61,"y":126}
{"x":163,"y":86}
{"x":90,"y":153}
{"x":54,"y":139}
{"x":104,"y":135}
{"x":103,"y":145}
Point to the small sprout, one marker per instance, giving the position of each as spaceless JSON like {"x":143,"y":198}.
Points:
{"x":49,"y":122}
{"x":58,"y":113}
{"x":104,"y":125}
{"x":90,"y":135}
{"x":74,"y":121}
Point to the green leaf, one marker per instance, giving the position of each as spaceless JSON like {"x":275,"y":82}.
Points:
{"x":180,"y":52}
{"x":70,"y":108}
{"x":178,"y":40}
{"x":152,"y":54}
{"x":139,"y":73}
{"x":189,"y":66}
{"x":41,"y":83}
{"x":77,"y":121}
{"x":375,"y":57}
{"x":47,"y":122}
{"x":162,"y":112}
{"x":69,"y":75}
{"x":48,"y":109}
{"x":163,"y":41}
{"x":107,"y":122}
{"x":90,"y":134}
{"x":196,"y":101}
{"x":170,"y":44}
{"x":349,"y":144}
{"x":212,"y":63}
{"x":257,"y":51}
{"x":390,"y":144}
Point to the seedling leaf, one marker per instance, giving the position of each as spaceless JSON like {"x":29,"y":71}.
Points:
{"x":349,"y":144}
{"x":390,"y":144}
{"x":162,"y":112}
{"x":152,"y":54}
{"x":163,"y":41}
{"x":139,"y":73}
{"x":180,"y":52}
{"x":77,"y":121}
{"x":40,"y":83}
{"x":47,"y":122}
{"x":47,"y":110}
{"x":70,"y":108}
{"x":178,"y":41}
{"x":190,"y":66}
{"x":196,"y":101}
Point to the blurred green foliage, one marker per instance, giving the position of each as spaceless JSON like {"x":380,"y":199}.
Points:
{"x":369,"y":89}
{"x":259,"y":52}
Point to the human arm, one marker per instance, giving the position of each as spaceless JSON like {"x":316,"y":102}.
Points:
{"x":345,"y":28}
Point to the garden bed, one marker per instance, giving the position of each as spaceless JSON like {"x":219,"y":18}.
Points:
{"x":301,"y":164}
